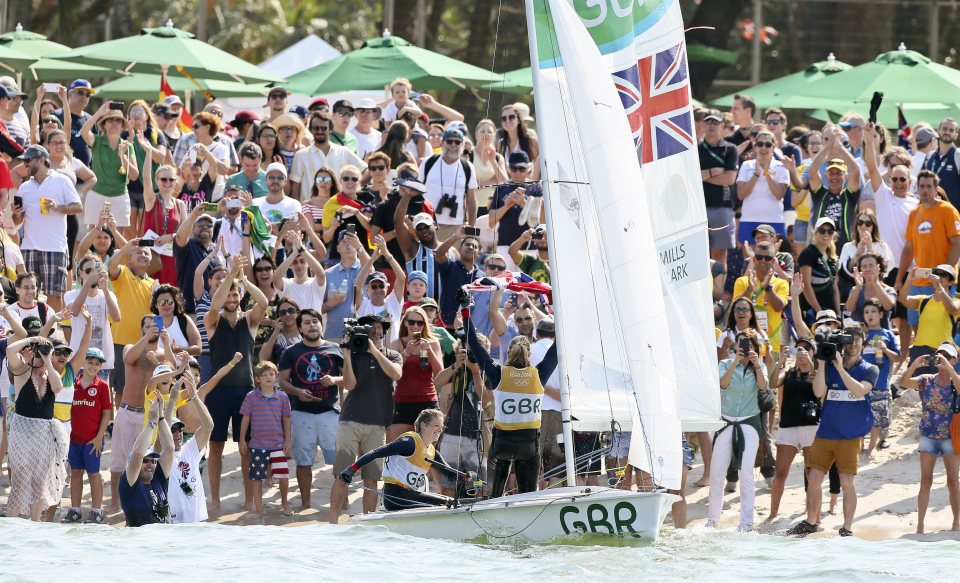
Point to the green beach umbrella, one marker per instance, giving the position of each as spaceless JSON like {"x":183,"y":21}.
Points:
{"x":12,"y":61}
{"x":519,"y":81}
{"x":777,"y":92}
{"x":381,"y":60}
{"x":932,"y":113}
{"x":46,"y":69}
{"x":143,"y":86}
{"x":156,"y":48}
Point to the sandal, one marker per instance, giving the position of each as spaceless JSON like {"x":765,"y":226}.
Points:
{"x":845,"y":531}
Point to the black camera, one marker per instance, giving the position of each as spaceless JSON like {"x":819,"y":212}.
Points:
{"x":356,"y":336}
{"x":186,"y":489}
{"x":449,"y":202}
{"x":811,"y":410}
{"x":463,"y":298}
{"x":932,"y":360}
{"x":41,"y":348}
{"x":461,"y":335}
{"x":828,"y":343}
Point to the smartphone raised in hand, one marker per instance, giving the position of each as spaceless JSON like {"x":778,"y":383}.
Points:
{"x":146,"y":243}
{"x":211,"y":207}
{"x":744,"y":345}
{"x":117,"y":105}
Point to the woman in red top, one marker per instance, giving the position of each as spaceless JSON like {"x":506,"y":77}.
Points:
{"x":161,"y":214}
{"x":422,"y":361}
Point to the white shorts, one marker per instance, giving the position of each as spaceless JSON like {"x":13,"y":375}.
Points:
{"x":798,"y":437}
{"x":127,"y":425}
{"x":119,"y":206}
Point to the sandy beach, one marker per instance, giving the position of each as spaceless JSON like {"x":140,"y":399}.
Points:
{"x":887,"y":487}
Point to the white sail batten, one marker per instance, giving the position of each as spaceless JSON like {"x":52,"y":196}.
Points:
{"x":598,"y":203}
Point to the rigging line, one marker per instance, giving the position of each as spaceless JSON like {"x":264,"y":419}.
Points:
{"x":493,"y":61}
{"x":564,"y":89}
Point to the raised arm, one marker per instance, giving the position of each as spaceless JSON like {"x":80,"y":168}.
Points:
{"x":870,"y":156}
{"x":212,"y":383}
{"x":480,"y":354}
{"x":816,"y":179}
{"x":142,"y":442}
{"x":448,"y":113}
{"x":185,"y":230}
{"x":796,"y":288}
{"x":404,"y":239}
{"x":86,"y":132}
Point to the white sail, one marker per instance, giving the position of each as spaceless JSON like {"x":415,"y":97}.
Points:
{"x":642,"y":49}
{"x":612,"y":324}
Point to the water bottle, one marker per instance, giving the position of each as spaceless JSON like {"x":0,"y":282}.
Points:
{"x":343,"y":288}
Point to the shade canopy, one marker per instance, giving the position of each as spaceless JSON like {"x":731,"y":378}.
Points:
{"x":143,"y":86}
{"x":12,"y":61}
{"x":777,"y":92}
{"x":166,"y":46}
{"x":381,"y":60}
{"x":43,"y":68}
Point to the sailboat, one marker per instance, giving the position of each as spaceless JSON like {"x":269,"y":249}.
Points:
{"x":616,"y":357}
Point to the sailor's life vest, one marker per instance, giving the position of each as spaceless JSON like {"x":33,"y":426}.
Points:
{"x":517,"y":399}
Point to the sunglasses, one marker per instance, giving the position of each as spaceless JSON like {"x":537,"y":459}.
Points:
{"x":742,"y":310}
{"x":418,"y":323}
{"x":278,"y":96}
{"x":164,"y":302}
{"x":262,"y":269}
{"x":345,"y":113}
{"x":518,"y":169}
{"x":826,"y":231}
{"x":774,"y":122}
{"x":763,"y":145}
{"x":62,"y":352}
{"x":713,"y":122}
{"x":763,"y":257}
{"x":350,"y":178}
{"x":861,"y":223}
{"x":166,"y":179}
{"x":169,"y":116}
{"x":496,"y":267}
{"x":453,"y":142}
{"x":376,"y":168}
{"x":54,"y":121}
{"x":287,"y":312}
{"x":509,"y":117}
{"x":314,"y":129}
{"x":898,"y":179}
{"x":276,"y":178}
{"x":377,"y":286}
{"x":323,"y":179}
{"x":150,"y":460}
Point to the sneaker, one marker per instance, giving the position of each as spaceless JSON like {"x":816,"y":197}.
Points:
{"x":731,"y":487}
{"x":73,"y":516}
{"x":883,"y":444}
{"x":109,"y":432}
{"x":845,"y":531}
{"x":802,"y":529}
{"x":95,"y":517}
{"x":525,"y":212}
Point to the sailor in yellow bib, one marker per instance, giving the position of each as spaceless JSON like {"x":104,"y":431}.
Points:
{"x":516,"y":421}
{"x":409,"y":459}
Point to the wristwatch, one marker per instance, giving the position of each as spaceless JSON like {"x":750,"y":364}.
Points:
{"x":769,"y":287}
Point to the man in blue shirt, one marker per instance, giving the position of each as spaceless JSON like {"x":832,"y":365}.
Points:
{"x":845,"y":418}
{"x":944,"y":161}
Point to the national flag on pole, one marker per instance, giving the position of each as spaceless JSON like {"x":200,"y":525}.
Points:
{"x":186,"y":120}
{"x":903,"y":130}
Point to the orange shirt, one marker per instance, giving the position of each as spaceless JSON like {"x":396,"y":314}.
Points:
{"x":929,"y":230}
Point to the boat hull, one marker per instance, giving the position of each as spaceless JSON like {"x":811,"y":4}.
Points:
{"x":536,"y":517}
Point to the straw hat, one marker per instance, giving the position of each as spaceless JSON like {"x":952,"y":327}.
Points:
{"x":113,"y":114}
{"x":287,"y":120}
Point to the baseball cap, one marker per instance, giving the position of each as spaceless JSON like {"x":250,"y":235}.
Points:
{"x":34,"y":151}
{"x":376,"y":276}
{"x":342,"y":104}
{"x":428,"y":301}
{"x":713,"y":114}
{"x":413,"y":184}
{"x":32,"y":324}
{"x":523,"y":110}
{"x":12,"y":87}
{"x":60,"y":343}
{"x":457,"y":125}
{"x":161,"y":369}
{"x":837,"y":163}
{"x":94,"y":352}
{"x":764,"y":229}
{"x":825,"y":221}
{"x":422,"y":276}
{"x":299,"y":110}
{"x":808,"y":340}
{"x":206,"y":217}
{"x":422,"y":219}
{"x":518,"y":160}
{"x":175,"y":421}
{"x":948,"y":348}
{"x":7,"y":91}
{"x":278,"y":167}
{"x":452,"y":134}
{"x":82,"y":85}
{"x":171,"y":100}
{"x":853,"y":121}
{"x":945,"y":269}
{"x":317,"y":103}
{"x":925,"y":135}
{"x":244,"y":116}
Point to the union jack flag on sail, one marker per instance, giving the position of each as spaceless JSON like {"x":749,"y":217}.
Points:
{"x":655,"y":94}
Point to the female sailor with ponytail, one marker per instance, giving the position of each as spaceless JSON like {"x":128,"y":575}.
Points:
{"x":516,"y":421}
{"x":409,"y":459}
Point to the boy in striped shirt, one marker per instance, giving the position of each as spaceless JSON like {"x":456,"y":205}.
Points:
{"x":266,"y":417}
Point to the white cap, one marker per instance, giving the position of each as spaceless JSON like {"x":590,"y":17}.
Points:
{"x":948,"y":348}
{"x":422,"y":219}
{"x":162,"y":368}
{"x":824,"y":221}
{"x":278,"y":166}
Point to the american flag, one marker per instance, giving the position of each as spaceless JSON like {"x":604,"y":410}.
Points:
{"x":903,"y":130}
{"x":513,"y":281}
{"x":655,"y":94}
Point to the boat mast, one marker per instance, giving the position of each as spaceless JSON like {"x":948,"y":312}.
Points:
{"x":565,"y":416}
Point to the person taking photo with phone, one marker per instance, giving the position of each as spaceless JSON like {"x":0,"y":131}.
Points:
{"x":936,"y":311}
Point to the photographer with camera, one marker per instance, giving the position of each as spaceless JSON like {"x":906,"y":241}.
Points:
{"x":938,"y":397}
{"x":937,"y":313}
{"x":143,"y":485}
{"x":799,"y":413}
{"x":845,"y":379}
{"x":536,"y":264}
{"x":367,"y":407}
{"x":38,"y":442}
{"x":742,"y":377}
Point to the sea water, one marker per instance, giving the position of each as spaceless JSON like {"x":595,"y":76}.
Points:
{"x":211,"y":553}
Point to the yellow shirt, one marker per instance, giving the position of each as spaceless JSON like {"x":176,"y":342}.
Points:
{"x":803,"y":209}
{"x":935,"y":325}
{"x":149,"y":397}
{"x":769,"y":320}
{"x":133,"y":298}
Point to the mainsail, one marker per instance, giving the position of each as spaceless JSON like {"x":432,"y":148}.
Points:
{"x":613,"y":330}
{"x":642,"y":47}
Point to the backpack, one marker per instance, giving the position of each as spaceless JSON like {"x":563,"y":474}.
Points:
{"x":467,"y":170}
